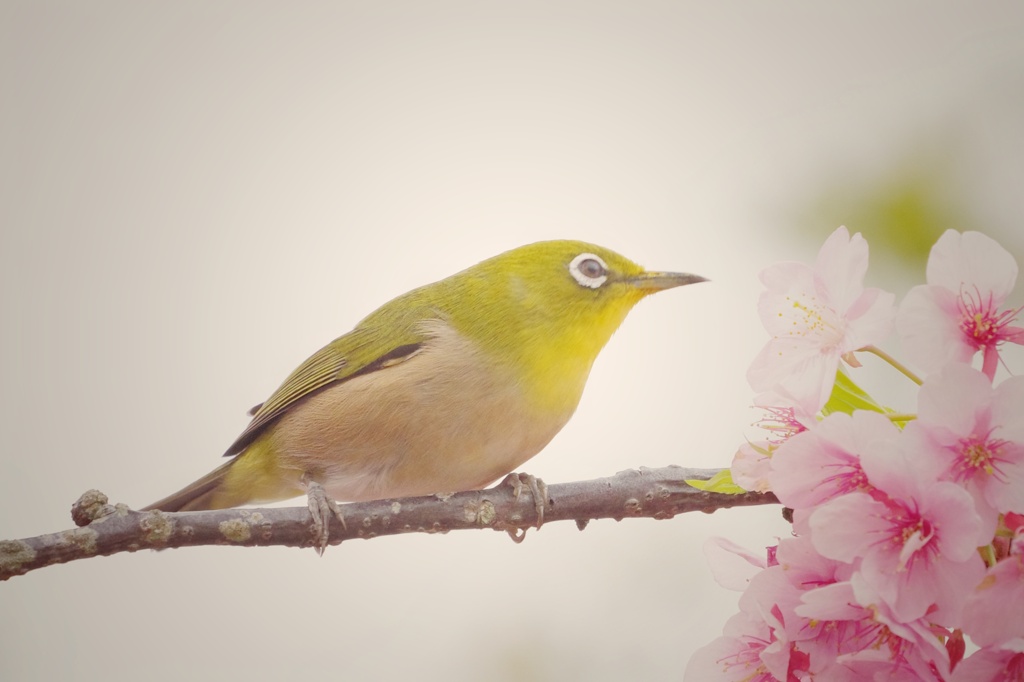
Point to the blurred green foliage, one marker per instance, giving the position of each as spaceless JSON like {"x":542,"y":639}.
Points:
{"x":901,"y":214}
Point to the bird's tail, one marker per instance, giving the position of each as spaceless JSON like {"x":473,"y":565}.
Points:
{"x":209,"y":492}
{"x":253,"y":477}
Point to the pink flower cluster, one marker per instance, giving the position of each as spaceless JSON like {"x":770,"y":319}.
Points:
{"x":907,"y":555}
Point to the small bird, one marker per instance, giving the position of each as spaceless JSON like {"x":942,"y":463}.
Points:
{"x":445,"y":388}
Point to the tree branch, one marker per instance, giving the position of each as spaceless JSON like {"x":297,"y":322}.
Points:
{"x":109,"y":529}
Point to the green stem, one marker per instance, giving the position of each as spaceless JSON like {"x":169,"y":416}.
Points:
{"x":896,"y":417}
{"x":892,"y":361}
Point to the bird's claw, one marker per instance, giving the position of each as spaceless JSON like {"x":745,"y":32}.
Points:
{"x":321,"y":509}
{"x":538,"y":489}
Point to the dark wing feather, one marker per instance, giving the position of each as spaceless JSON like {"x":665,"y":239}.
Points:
{"x":364,"y":350}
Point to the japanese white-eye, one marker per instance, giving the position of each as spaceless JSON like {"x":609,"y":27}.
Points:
{"x":445,"y":388}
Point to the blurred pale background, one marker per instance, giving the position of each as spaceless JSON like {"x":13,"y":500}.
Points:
{"x":194,"y":196}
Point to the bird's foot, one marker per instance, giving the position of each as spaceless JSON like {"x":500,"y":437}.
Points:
{"x":538,"y":490}
{"x":321,"y":508}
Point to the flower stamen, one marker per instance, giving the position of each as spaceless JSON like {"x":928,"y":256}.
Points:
{"x":979,"y":455}
{"x":985,"y":327}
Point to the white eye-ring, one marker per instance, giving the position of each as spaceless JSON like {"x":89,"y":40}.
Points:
{"x":589,"y":270}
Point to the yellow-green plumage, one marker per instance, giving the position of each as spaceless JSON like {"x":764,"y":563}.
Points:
{"x":445,"y":388}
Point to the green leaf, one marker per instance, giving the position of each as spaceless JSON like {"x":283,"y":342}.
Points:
{"x":719,"y":483}
{"x":847,"y":396}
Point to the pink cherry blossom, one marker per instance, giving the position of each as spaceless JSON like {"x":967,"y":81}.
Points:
{"x":820,"y":614}
{"x":771,"y":598}
{"x":901,"y":650}
{"x":913,"y":541}
{"x":883,"y":578}
{"x":769,"y":640}
{"x":751,"y":464}
{"x":863,"y":639}
{"x":960,"y":310}
{"x":992,"y":664}
{"x":805,"y":568}
{"x":869,"y":642}
{"x":994,"y":613}
{"x":977,"y":433}
{"x":898,"y":652}
{"x":816,"y":630}
{"x":736,"y":656}
{"x":816,"y":316}
{"x":817,"y":465}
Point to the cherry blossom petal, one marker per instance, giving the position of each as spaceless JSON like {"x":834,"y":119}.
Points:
{"x":988,"y":617}
{"x":972,"y":257}
{"x":732,"y":566}
{"x":830,"y":603}
{"x":1008,"y":410}
{"x":816,"y":316}
{"x":841,"y":265}
{"x":950,"y":398}
{"x":929,"y":327}
{"x":798,"y":365}
{"x":991,"y":664}
{"x":846,"y":527}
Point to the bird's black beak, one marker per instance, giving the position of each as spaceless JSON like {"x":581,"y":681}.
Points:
{"x":659,"y":281}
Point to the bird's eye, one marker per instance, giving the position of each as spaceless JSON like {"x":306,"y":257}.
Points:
{"x":589,"y":270}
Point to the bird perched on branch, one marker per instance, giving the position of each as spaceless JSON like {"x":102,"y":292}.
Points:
{"x":445,"y":388}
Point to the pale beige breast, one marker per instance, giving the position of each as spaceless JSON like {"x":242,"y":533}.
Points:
{"x":446,"y":419}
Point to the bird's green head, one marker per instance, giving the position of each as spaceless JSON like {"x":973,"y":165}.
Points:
{"x":565,"y":278}
{"x":555,"y":303}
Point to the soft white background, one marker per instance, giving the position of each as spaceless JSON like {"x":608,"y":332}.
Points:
{"x":195,"y":196}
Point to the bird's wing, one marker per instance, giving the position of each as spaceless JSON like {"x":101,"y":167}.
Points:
{"x":363,"y":350}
